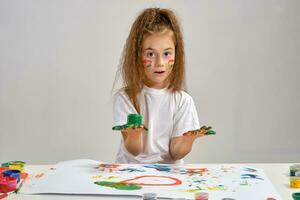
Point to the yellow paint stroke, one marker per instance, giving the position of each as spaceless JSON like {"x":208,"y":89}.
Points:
{"x":244,"y":183}
{"x":111,"y":177}
{"x":97,"y":176}
{"x":191,"y":190}
{"x":216,"y":187}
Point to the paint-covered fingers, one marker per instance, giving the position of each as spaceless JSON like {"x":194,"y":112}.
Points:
{"x":118,"y":128}
{"x":204,"y":130}
{"x":209,"y":131}
{"x":143,"y":127}
{"x":199,"y":133}
{"x":137,"y":126}
{"x":194,"y":134}
{"x":131,"y":126}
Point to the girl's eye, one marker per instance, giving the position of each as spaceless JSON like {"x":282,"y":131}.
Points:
{"x":166,"y":54}
{"x":150,"y":55}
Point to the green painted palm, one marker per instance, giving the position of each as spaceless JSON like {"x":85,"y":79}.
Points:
{"x":133,"y":121}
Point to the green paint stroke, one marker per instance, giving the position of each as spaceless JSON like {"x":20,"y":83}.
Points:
{"x":133,"y":121}
{"x":118,"y":185}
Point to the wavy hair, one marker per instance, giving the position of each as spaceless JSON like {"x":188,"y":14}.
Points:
{"x":150,"y":20}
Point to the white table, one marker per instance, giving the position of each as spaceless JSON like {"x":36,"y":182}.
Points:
{"x":277,"y":173}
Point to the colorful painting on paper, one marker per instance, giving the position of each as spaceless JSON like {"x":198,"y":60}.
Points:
{"x":167,"y":181}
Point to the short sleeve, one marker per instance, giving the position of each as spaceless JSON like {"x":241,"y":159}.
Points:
{"x":185,"y":117}
{"x":122,"y":106}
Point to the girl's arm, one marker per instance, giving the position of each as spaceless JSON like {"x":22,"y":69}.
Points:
{"x":133,"y":140}
{"x":182,"y":145}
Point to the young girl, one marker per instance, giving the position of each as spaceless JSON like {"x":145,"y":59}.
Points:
{"x":153,"y":72}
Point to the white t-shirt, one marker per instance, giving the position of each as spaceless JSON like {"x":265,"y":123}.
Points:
{"x":165,"y":114}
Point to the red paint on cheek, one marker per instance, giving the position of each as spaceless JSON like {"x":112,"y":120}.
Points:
{"x":171,"y":62}
{"x":147,"y":63}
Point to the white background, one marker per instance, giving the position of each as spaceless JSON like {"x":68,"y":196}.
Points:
{"x":58,"y":60}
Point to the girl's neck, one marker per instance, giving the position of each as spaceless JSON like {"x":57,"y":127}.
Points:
{"x":157,"y":86}
{"x":154,"y":90}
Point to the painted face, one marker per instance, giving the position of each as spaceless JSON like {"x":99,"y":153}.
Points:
{"x":158,"y":58}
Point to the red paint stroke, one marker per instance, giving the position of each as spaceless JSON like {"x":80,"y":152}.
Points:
{"x":176,"y":181}
{"x":40,"y":175}
{"x":108,"y":166}
{"x":197,"y":170}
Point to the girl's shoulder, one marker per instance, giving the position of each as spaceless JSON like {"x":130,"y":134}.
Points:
{"x":120,"y":94}
{"x":181,"y":94}
{"x":182,"y":97}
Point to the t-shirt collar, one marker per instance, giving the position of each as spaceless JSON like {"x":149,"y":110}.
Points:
{"x":155,"y":91}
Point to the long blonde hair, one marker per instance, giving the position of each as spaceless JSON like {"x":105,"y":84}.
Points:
{"x":151,"y":20}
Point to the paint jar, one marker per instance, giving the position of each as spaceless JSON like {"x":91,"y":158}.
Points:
{"x":8,"y":184}
{"x":149,"y":196}
{"x":3,"y":169}
{"x":12,"y":173}
{"x":16,"y":166}
{"x":228,"y":199}
{"x":295,"y":180}
{"x":296,"y":196}
{"x":201,"y":196}
{"x":294,"y":168}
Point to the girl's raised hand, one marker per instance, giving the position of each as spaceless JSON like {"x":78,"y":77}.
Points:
{"x":133,"y":139}
{"x":199,"y":132}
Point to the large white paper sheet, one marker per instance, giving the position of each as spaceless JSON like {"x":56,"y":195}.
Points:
{"x":167,"y":181}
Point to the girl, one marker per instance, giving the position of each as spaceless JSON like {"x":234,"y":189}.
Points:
{"x":153,"y":72}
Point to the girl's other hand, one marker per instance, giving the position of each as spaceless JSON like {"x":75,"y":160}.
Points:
{"x":198,"y":132}
{"x":133,"y":139}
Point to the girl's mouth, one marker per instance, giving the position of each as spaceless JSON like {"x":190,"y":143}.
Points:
{"x":159,"y":72}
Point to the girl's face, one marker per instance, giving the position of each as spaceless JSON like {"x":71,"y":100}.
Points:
{"x":158,"y":58}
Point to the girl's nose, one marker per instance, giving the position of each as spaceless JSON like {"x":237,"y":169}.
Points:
{"x":160,"y":62}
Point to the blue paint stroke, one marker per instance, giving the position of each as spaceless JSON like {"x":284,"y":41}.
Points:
{"x":250,"y":169}
{"x":131,"y":169}
{"x":199,"y":181}
{"x":249,"y":176}
{"x":162,"y":168}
